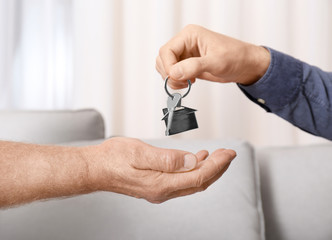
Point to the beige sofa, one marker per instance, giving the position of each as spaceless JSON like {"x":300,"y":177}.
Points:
{"x":270,"y":193}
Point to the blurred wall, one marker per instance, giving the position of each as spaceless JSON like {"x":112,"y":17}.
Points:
{"x":36,"y":54}
{"x":101,"y":54}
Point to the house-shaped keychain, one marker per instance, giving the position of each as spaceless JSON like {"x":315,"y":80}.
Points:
{"x":184,"y":119}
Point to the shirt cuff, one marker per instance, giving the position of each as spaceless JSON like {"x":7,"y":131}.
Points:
{"x":279,"y":85}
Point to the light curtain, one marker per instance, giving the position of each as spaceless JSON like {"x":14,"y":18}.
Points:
{"x":109,"y":62}
{"x":35,"y":60}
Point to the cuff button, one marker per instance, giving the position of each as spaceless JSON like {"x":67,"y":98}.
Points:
{"x":262,"y":101}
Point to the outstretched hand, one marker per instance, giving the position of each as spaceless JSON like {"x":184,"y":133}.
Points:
{"x":132,"y":167}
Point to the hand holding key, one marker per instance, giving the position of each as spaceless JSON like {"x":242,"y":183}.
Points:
{"x":197,"y":52}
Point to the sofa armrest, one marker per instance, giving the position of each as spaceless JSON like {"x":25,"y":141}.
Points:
{"x":51,"y":127}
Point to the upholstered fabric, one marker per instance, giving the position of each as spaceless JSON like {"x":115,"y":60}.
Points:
{"x":297,"y":191}
{"x":46,"y":127}
{"x":229,"y":209}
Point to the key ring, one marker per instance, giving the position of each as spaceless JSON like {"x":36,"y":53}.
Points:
{"x":189,"y":87}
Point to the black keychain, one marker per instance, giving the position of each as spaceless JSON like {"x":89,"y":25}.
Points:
{"x":178,"y":118}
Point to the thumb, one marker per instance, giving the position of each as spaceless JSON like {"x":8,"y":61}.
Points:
{"x":188,"y":68}
{"x":170,"y":160}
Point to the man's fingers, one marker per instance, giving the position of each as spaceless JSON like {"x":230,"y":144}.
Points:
{"x":189,"y":68}
{"x":176,"y":84}
{"x":176,"y":161}
{"x":169,"y":63}
{"x":202,"y":155}
{"x":169,"y":160}
{"x":206,"y":170}
{"x":170,"y":53}
{"x":160,"y":67}
{"x":189,"y":191}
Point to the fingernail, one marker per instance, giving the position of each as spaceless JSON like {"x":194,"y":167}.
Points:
{"x":231,"y":152}
{"x":189,"y":161}
{"x":177,"y":72}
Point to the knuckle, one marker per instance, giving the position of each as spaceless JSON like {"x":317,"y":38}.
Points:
{"x":158,"y":68}
{"x":169,"y":163}
{"x":162,"y":50}
{"x":158,"y":61}
{"x":199,"y":181}
{"x":190,"y":27}
{"x":204,"y":187}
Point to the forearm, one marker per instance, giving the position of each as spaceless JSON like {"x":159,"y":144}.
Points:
{"x":31,"y":172}
{"x":296,"y":91}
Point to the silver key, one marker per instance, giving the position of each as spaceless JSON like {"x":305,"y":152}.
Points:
{"x":172,"y":103}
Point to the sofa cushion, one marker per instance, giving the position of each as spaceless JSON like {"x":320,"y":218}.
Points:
{"x":297,"y":191}
{"x":229,"y":209}
{"x":49,"y":127}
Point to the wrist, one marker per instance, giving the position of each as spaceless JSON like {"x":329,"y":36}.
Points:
{"x":102,"y":170}
{"x":258,"y":62}
{"x":93,"y":171}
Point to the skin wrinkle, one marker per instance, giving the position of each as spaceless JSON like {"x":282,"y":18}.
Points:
{"x":170,"y":184}
{"x":193,"y":190}
{"x":89,"y":168}
{"x":152,"y":158}
{"x":168,"y":163}
{"x":202,"y":47}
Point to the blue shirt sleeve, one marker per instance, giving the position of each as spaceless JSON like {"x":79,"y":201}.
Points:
{"x":296,"y":91}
